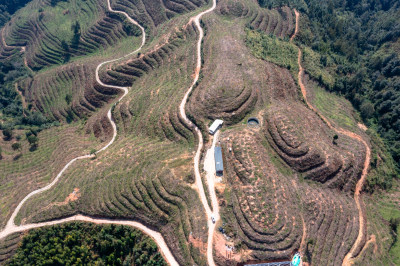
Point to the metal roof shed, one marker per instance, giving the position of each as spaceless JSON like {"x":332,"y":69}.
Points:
{"x":215,"y":126}
{"x":219,"y":165}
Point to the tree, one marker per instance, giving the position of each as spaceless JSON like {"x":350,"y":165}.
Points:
{"x":7,"y":133}
{"x":67,"y":54}
{"x":76,"y":28}
{"x":93,"y":152}
{"x":68,"y":98}
{"x":367,"y":109}
{"x":16,"y":146}
{"x":33,"y":141}
{"x":335,"y":138}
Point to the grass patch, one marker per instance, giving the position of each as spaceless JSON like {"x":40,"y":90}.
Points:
{"x":270,"y":48}
{"x":333,"y":107}
{"x":318,"y":66}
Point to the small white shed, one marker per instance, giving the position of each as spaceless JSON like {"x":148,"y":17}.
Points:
{"x":215,"y":126}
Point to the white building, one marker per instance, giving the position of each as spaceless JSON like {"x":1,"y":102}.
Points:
{"x":215,"y":126}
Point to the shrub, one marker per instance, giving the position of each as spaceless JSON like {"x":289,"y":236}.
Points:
{"x":16,"y":146}
{"x":8,"y":133}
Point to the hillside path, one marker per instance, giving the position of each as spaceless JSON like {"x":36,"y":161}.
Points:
{"x":11,"y":227}
{"x":362,"y":220}
{"x":198,"y":182}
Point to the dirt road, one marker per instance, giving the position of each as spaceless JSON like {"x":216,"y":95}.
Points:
{"x":362,"y":222}
{"x":199,"y":184}
{"x":12,"y":228}
{"x":209,"y":167}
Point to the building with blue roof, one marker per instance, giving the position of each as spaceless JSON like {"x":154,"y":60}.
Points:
{"x":219,"y":165}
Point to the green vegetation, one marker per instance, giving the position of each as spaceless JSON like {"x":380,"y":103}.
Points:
{"x":351,"y":48}
{"x":7,"y":8}
{"x":383,"y":218}
{"x":318,"y":66}
{"x":382,"y":168}
{"x":332,"y":106}
{"x":359,"y":42}
{"x":83,"y":244}
{"x":40,"y":164}
{"x":12,"y":112}
{"x":393,"y":216}
{"x":272,"y":49}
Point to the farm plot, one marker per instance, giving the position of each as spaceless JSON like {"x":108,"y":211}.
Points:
{"x":52,"y":35}
{"x":22,"y":171}
{"x":155,"y":12}
{"x":146,"y":174}
{"x":279,"y":22}
{"x":289,"y":184}
{"x":8,"y":246}
{"x":70,"y":93}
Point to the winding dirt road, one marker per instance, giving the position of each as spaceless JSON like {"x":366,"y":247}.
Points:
{"x":362,"y":222}
{"x":198,"y":182}
{"x":11,"y":228}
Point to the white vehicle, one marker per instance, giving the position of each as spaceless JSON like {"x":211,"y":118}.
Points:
{"x":213,"y":219}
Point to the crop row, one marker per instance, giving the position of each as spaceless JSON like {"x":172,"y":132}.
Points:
{"x":34,"y":168}
{"x":67,"y":93}
{"x":129,"y":182}
{"x":44,"y":46}
{"x":332,"y":224}
{"x":279,"y":21}
{"x":155,"y":12}
{"x":8,"y":246}
{"x":262,"y":202}
{"x":317,"y":160}
{"x":125,"y":73}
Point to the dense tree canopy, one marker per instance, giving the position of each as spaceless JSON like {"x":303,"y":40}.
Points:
{"x":7,"y":8}
{"x":87,"y":244}
{"x":11,"y":109}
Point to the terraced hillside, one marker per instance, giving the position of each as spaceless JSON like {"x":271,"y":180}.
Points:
{"x":288,"y":185}
{"x":154,"y":13}
{"x":279,"y":22}
{"x":238,"y":92}
{"x":70,"y":93}
{"x":9,"y":246}
{"x":145,"y":175}
{"x":22,"y":171}
{"x":51,"y":34}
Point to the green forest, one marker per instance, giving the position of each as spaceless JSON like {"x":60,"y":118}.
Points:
{"x":7,"y":8}
{"x":12,"y":112}
{"x":87,"y":244}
